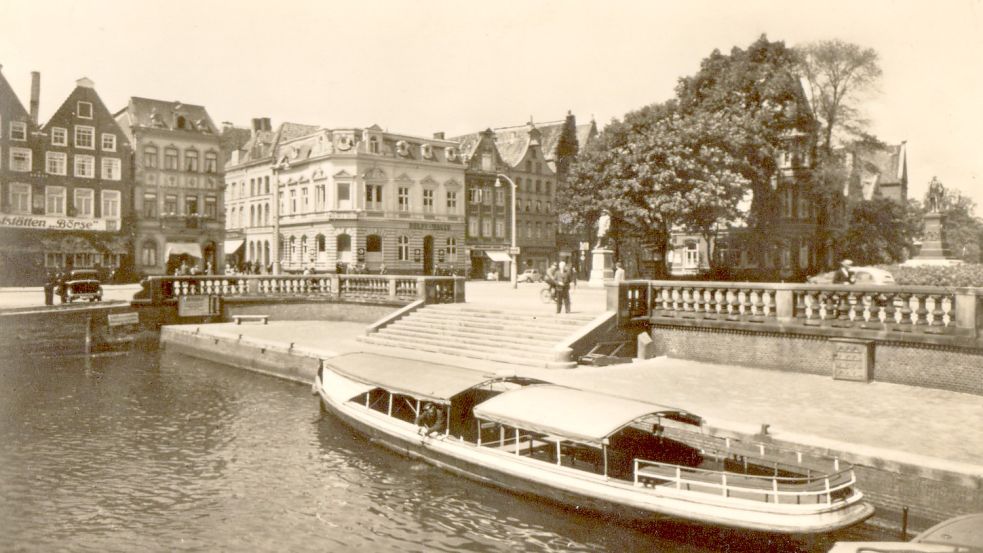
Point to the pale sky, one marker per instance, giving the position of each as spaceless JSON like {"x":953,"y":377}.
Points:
{"x":460,"y":66}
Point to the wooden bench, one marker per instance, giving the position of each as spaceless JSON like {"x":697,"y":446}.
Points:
{"x":239,"y":319}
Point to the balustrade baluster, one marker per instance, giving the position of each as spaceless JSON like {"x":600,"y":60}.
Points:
{"x":686,"y":295}
{"x":734,"y":303}
{"x":761,"y":307}
{"x":905,"y":309}
{"x":699,"y":304}
{"x":873,"y":308}
{"x":857,"y":303}
{"x":922,"y":311}
{"x":938,"y":314}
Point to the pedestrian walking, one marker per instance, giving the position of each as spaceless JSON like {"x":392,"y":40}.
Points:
{"x":562,"y":284}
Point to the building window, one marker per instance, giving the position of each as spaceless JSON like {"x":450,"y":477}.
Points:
{"x":692,"y":259}
{"x":374,"y":145}
{"x":54,"y":200}
{"x":373,"y":196}
{"x":150,"y":205}
{"x":539,"y":230}
{"x":59,"y":136}
{"x":474,"y":196}
{"x":547,"y":186}
{"x":519,"y":184}
{"x":110,"y":204}
{"x":500,"y":196}
{"x":266,"y":185}
{"x":150,"y":157}
{"x":539,"y":184}
{"x":211,"y":206}
{"x":403,"y":249}
{"x":211,"y":162}
{"x":319,"y":196}
{"x":486,"y":227}
{"x":452,"y":250}
{"x":549,"y":206}
{"x":108,"y":142}
{"x":252,"y":187}
{"x":404,"y":198}
{"x":487,"y":197}
{"x":170,"y":204}
{"x":191,"y":161}
{"x":304,"y":200}
{"x":84,"y":200}
{"x":85,"y":166}
{"x":56,"y":163}
{"x":111,"y":167}
{"x":18,"y":130}
{"x":170,"y":159}
{"x":428,"y":200}
{"x":473,"y":226}
{"x":148,"y":253}
{"x":20,"y":159}
{"x":452,"y":202}
{"x":344,"y":195}
{"x":191,"y":205}
{"x":293,"y":201}
{"x":20,"y":197}
{"x":539,"y":206}
{"x":486,"y":162}
{"x":84,"y":110}
{"x":499,"y":228}
{"x":85,"y":137}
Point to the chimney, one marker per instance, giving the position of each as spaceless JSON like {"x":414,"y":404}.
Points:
{"x":438,"y":135}
{"x":35,"y":95}
{"x":266,"y":124}
{"x":256,"y":124}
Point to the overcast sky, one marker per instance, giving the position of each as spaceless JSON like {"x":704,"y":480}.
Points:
{"x":459,"y":66}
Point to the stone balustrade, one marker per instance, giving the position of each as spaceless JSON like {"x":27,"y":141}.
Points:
{"x":898,"y":311}
{"x":389,"y":288}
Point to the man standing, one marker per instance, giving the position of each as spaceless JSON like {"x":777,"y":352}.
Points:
{"x":563,"y":279}
{"x":844,"y":275}
{"x":619,"y":272}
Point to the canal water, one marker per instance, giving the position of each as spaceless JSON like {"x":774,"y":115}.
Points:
{"x":148,"y":452}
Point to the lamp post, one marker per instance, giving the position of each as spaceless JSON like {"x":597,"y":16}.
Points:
{"x":513,"y":270}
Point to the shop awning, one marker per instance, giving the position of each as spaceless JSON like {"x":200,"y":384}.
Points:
{"x":499,"y":256}
{"x":577,"y":415}
{"x":178,"y":248}
{"x":232,"y":245}
{"x":421,"y":380}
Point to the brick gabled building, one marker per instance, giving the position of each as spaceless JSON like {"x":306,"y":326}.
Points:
{"x":67,"y":187}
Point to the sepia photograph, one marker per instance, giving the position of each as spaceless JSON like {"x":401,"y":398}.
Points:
{"x":516,"y":276}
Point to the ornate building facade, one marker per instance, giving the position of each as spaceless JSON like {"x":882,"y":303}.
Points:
{"x":66,"y":187}
{"x":178,"y":173}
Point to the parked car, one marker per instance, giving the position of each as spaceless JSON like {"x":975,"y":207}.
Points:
{"x":863,"y":276}
{"x":82,"y":284}
{"x":530,"y":275}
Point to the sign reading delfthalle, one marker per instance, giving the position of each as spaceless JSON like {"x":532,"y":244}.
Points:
{"x":48,"y":222}
{"x":198,"y":306}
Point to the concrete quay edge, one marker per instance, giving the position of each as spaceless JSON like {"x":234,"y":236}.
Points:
{"x":192,"y":341}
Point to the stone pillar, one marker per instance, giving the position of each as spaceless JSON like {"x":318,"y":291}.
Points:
{"x":602,"y":267}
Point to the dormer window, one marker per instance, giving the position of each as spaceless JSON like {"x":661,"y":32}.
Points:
{"x":374,"y":145}
{"x":84,"y":110}
{"x":182,"y":123}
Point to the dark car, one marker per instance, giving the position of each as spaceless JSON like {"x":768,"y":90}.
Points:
{"x":82,"y":284}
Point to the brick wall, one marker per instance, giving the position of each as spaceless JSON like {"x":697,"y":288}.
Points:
{"x":931,"y":367}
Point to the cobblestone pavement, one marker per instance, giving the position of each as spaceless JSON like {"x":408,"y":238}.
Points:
{"x":908,"y":421}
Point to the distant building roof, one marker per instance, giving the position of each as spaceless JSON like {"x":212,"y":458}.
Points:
{"x":880,"y":170}
{"x":171,"y":115}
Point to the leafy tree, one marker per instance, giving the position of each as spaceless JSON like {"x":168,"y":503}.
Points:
{"x":567,"y":147}
{"x":880,"y":231}
{"x":839,"y":74}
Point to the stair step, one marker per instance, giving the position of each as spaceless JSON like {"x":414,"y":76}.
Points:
{"x":559,"y":321}
{"x":504,"y":328}
{"x":524,"y":361}
{"x":465,"y":340}
{"x":510,"y":335}
{"x":488,"y":348}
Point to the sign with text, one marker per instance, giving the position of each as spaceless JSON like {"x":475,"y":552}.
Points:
{"x":48,"y":222}
{"x":119,"y":319}
{"x":852,"y":359}
{"x":198,"y":306}
{"x":430,"y":226}
{"x":515,"y":250}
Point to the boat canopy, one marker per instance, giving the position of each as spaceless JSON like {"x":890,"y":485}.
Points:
{"x":575,"y":415}
{"x":418,"y":379}
{"x":340,"y":388}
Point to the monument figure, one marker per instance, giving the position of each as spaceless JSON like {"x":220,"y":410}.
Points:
{"x":934,"y":248}
{"x":601,"y":262}
{"x":603,"y":226}
{"x":936,"y":195}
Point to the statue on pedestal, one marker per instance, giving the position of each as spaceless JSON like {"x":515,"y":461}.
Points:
{"x":603,"y":226}
{"x":936,"y":196}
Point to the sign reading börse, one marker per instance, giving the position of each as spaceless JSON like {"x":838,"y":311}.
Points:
{"x":47,"y":222}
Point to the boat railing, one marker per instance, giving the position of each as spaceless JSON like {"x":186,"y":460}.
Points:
{"x":770,"y":489}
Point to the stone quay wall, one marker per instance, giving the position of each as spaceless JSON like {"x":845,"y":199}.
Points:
{"x":919,"y":336}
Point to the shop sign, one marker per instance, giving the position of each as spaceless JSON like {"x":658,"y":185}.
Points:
{"x":198,"y":306}
{"x":515,"y":250}
{"x":440,"y":255}
{"x":430,"y":226}
{"x":47,"y":222}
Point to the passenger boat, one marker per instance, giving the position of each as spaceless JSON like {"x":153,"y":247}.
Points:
{"x":588,"y":450}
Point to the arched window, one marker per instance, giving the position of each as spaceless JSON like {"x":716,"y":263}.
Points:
{"x":148,"y":253}
{"x":266,"y":214}
{"x":211,"y":162}
{"x":230,"y":219}
{"x":403,"y":248}
{"x":452,"y":250}
{"x":150,"y":157}
{"x":252,"y":216}
{"x":191,"y":160}
{"x":319,"y":243}
{"x":303,"y":249}
{"x":266,"y":252}
{"x":251,"y":254}
{"x":182,"y":123}
{"x":292,"y":249}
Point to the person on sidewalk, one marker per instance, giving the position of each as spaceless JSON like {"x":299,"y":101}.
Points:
{"x":563,"y":279}
{"x":844,"y":275}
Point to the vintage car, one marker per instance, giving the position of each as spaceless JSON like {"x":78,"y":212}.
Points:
{"x":80,"y":285}
{"x":530,"y":275}
{"x":863,"y":276}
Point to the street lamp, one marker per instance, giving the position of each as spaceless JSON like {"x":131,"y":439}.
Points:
{"x":513,"y":270}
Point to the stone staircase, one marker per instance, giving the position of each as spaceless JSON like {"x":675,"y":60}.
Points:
{"x":506,"y":336}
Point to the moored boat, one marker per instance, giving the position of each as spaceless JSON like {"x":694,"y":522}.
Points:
{"x":588,"y":450}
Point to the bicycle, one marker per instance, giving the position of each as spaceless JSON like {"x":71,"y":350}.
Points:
{"x":548,"y":294}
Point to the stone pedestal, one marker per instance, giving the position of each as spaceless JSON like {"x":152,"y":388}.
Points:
{"x":935,"y":248}
{"x":602,"y":268}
